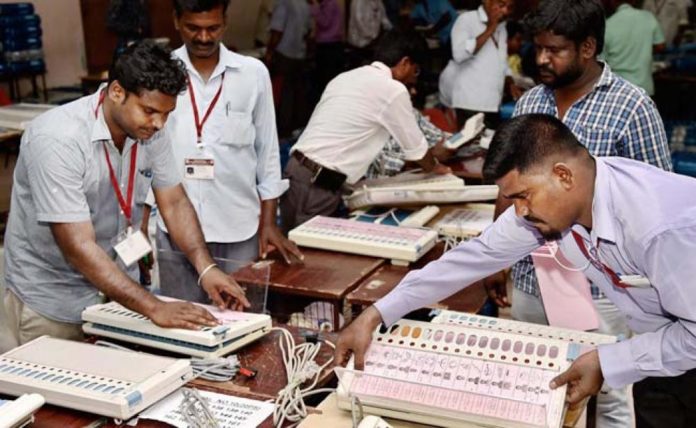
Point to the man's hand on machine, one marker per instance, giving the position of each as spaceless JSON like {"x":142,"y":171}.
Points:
{"x":584,"y":378}
{"x":356,"y":338}
{"x":223,"y":290}
{"x":181,"y":315}
{"x":441,"y":152}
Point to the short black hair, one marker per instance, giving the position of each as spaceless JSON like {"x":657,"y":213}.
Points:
{"x":514,"y":28}
{"x":196,"y":6}
{"x":526,"y":141}
{"x":395,"y":45}
{"x":145,"y":65}
{"x":576,"y":20}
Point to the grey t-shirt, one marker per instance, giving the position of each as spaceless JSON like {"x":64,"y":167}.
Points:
{"x":292,"y":18}
{"x":62,"y":177}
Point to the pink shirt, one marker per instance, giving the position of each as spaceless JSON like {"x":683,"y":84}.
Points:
{"x":329,"y":21}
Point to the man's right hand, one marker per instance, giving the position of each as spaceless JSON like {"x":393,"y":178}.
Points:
{"x":181,"y":315}
{"x":441,"y":169}
{"x":496,"y":287}
{"x":496,"y":16}
{"x":356,"y":338}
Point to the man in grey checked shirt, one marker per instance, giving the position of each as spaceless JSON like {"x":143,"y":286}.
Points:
{"x":64,"y":215}
{"x":609,"y":116}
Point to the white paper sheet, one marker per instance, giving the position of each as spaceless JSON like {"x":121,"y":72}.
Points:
{"x":230,"y":411}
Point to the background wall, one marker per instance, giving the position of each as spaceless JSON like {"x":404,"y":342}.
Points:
{"x":63,"y":40}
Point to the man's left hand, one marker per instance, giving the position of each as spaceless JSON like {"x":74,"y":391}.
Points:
{"x":223,"y":290}
{"x":584,"y":378}
{"x":270,"y":235}
{"x":442,"y":153}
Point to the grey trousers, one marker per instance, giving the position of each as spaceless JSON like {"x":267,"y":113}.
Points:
{"x":613,"y":408}
{"x":179,"y":279}
{"x":304,"y":200}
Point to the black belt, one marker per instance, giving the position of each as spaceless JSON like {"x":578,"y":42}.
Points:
{"x":321,"y":176}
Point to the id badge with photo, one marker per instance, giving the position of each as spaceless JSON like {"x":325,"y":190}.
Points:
{"x":131,"y":246}
{"x":199,"y":168}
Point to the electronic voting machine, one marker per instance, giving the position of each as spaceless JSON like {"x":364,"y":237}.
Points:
{"x":462,"y":370}
{"x":95,"y":379}
{"x":236,"y":330}
{"x":472,"y":128}
{"x":465,"y":223}
{"x":417,"y":188}
{"x":20,"y":412}
{"x":18,"y":116}
{"x":401,"y":244}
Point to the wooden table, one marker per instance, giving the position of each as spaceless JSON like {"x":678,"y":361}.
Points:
{"x":325,"y":275}
{"x":8,"y":134}
{"x":263,"y":355}
{"x":388,"y":276}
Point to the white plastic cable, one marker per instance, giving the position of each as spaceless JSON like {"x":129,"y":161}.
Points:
{"x":300,"y":368}
{"x":212,"y":369}
{"x":554,"y":249}
{"x":215,"y":369}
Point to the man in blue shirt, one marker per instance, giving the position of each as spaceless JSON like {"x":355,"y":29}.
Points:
{"x":595,"y":208}
{"x":439,"y":15}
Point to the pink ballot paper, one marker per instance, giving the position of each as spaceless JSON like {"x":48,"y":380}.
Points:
{"x":454,"y":375}
{"x":225,"y":316}
{"x":565,"y":291}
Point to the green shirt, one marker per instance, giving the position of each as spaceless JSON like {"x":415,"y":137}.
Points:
{"x":628,"y":45}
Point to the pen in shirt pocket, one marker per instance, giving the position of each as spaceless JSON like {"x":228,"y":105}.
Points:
{"x":638,"y":281}
{"x":227,"y":109}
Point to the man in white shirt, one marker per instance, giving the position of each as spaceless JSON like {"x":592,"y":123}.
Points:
{"x":225,"y":143}
{"x":367,"y":19}
{"x":357,"y":113}
{"x":475,"y":77}
{"x":286,"y":55}
{"x":673,"y":16}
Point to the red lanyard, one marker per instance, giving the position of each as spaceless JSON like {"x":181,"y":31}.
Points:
{"x":597,"y":263}
{"x":126,"y":205}
{"x":196,"y":117}
{"x":99,"y":103}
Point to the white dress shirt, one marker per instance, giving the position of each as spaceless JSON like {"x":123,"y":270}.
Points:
{"x":475,"y":81}
{"x":357,"y":113}
{"x":367,"y":18}
{"x":671,"y":14}
{"x":240,"y":135}
{"x":643,"y":223}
